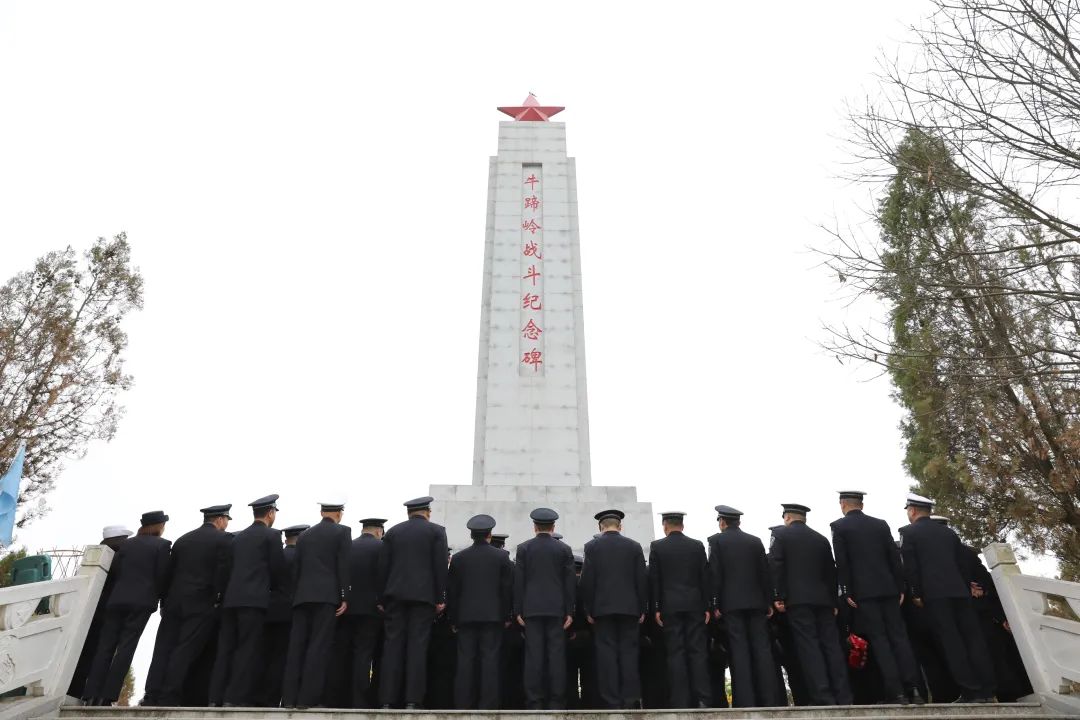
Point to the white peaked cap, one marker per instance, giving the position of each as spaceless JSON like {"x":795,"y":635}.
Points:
{"x":115,"y":531}
{"x":913,"y":499}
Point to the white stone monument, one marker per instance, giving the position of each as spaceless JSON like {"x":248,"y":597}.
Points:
{"x":532,"y":414}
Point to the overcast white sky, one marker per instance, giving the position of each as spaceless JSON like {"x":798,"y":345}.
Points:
{"x":295,"y":178}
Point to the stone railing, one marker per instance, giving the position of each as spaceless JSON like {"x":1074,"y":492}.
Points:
{"x":1044,"y":616}
{"x":40,"y":651}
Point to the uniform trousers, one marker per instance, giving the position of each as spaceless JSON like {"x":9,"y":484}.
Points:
{"x":478,"y":650}
{"x":753,"y":672}
{"x":880,"y":622}
{"x":89,"y":649}
{"x":687,"y":659}
{"x":275,"y":651}
{"x":359,"y":635}
{"x":405,"y":650}
{"x":164,"y":643}
{"x":239,"y":656}
{"x":957,"y":628}
{"x":186,"y":637}
{"x":617,"y":654}
{"x":311,"y":639}
{"x":545,"y":663}
{"x":512,"y":691}
{"x":824,"y":671}
{"x":119,"y":637}
{"x":939,"y":686}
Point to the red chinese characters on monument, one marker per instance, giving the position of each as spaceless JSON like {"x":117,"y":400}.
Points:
{"x":532,"y":275}
{"x":534,"y":358}
{"x":531,"y":331}
{"x":532,"y":261}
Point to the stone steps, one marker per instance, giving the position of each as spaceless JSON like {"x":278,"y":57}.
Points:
{"x":957,"y":711}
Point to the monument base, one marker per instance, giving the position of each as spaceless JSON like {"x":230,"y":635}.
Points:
{"x":510,"y":505}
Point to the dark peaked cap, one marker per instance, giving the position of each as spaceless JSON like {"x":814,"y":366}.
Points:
{"x":372,"y":522}
{"x":544,"y":516}
{"x":605,"y":514}
{"x":851,"y":494}
{"x":420,"y":503}
{"x":270,"y":501}
{"x":480,"y":523}
{"x":795,"y":508}
{"x":557,"y":536}
{"x":154,"y":517}
{"x":295,"y":530}
{"x":217,"y":511}
{"x":673,"y":515}
{"x":728,"y":512}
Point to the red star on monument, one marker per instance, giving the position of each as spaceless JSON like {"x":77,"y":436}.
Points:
{"x":531,"y":109}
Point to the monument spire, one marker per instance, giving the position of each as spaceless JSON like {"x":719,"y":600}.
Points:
{"x":531,"y":109}
{"x":531,"y":441}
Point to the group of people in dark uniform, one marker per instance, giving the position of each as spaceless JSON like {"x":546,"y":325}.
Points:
{"x":392,"y":620}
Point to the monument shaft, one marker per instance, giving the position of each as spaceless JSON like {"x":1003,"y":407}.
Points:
{"x":532,"y":418}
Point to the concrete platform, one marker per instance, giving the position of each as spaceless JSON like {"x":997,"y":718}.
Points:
{"x":957,"y":711}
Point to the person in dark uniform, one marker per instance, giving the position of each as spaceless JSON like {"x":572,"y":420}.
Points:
{"x":679,"y":582}
{"x":441,"y":664}
{"x":1011,"y":678}
{"x":615,"y":592}
{"x":279,"y":623}
{"x":320,"y":571}
{"x":188,"y":616}
{"x":804,"y":580}
{"x":935,"y":682}
{"x":741,"y":589}
{"x":511,"y":691}
{"x":580,"y":680}
{"x":544,"y":601}
{"x":934,"y":565}
{"x":412,"y":591}
{"x":872,"y":583}
{"x":358,"y":630}
{"x":479,"y":594}
{"x":256,"y":569}
{"x":111,"y":537}
{"x":141,"y":570}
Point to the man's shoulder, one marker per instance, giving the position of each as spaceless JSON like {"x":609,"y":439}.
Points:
{"x":143,"y":543}
{"x":780,"y":532}
{"x":366,"y":542}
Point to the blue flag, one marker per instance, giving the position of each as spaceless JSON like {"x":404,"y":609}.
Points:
{"x":9,"y":496}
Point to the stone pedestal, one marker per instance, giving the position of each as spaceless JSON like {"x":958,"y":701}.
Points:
{"x":510,"y":506}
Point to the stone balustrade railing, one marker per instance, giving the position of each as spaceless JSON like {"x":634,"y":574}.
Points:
{"x":1044,"y":616}
{"x":40,"y":651}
